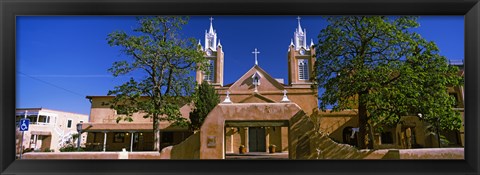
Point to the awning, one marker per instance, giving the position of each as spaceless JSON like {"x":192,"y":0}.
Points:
{"x":43,"y":133}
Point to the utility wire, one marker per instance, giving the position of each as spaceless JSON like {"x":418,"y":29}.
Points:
{"x":51,"y":84}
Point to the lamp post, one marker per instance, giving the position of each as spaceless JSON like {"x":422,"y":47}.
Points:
{"x":79,"y":130}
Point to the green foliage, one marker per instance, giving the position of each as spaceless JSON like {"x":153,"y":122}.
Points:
{"x":205,"y":99}
{"x":379,"y":63}
{"x":161,"y":61}
{"x":70,"y":148}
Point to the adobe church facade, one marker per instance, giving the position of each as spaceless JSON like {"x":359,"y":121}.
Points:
{"x":255,"y":111}
{"x":256,"y":86}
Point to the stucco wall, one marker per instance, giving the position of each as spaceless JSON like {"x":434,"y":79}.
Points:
{"x":212,"y":131}
{"x":188,"y":149}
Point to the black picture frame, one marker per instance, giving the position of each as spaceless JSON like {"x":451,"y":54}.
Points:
{"x":10,"y":9}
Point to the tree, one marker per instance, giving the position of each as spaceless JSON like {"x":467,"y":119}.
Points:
{"x":164,"y":61}
{"x":205,"y":99}
{"x":379,"y":66}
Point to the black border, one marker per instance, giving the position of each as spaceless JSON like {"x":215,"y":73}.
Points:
{"x":11,"y":8}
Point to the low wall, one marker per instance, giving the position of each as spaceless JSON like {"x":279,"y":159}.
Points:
{"x":188,"y":149}
{"x":91,"y":155}
{"x":326,"y":148}
{"x":426,"y":153}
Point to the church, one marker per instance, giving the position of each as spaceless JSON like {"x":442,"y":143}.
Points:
{"x":256,"y":113}
{"x":257,"y":86}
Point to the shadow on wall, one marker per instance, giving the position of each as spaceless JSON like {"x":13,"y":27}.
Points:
{"x":188,"y":149}
{"x":308,"y":143}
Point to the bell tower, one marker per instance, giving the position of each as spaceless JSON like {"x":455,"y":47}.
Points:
{"x":301,"y":58}
{"x":214,"y":54}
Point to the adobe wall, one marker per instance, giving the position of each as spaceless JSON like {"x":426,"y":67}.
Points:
{"x":212,"y":132}
{"x":305,"y":98}
{"x":188,"y":149}
{"x":427,"y":153}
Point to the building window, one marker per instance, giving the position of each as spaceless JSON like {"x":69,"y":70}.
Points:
{"x":43,"y":119}
{"x":208,"y":76}
{"x":69,"y":124}
{"x":303,"y":69}
{"x":387,"y":138}
{"x":119,"y":137}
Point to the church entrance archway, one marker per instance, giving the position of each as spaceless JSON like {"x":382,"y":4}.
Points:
{"x":226,"y":128}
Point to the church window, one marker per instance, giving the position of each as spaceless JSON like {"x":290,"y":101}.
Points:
{"x":303,"y":69}
{"x":209,"y":75}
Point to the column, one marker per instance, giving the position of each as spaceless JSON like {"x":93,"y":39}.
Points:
{"x":245,"y":129}
{"x":38,"y":116}
{"x":131,"y":141}
{"x":267,"y":137}
{"x":231,"y":139}
{"x":104,"y":141}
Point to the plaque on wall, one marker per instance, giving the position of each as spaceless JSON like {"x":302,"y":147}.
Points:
{"x":211,"y":142}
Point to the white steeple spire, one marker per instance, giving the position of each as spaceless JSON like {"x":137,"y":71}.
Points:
{"x":211,"y":37}
{"x":299,"y":29}
{"x":211,"y":26}
{"x":311,"y":42}
{"x":300,"y":37}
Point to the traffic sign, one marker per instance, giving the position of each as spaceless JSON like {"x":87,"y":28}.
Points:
{"x":24,"y":124}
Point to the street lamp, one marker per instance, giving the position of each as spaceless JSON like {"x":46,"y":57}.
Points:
{"x":79,"y":130}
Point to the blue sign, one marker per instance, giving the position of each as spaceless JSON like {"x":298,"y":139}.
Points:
{"x":24,"y":124}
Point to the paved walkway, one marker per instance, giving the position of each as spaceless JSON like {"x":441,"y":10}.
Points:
{"x":257,"y":155}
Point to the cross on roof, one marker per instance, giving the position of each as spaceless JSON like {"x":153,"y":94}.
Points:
{"x":211,"y":19}
{"x":256,"y":52}
{"x":299,"y":19}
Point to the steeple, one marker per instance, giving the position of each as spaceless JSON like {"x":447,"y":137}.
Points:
{"x":210,"y":38}
{"x":299,"y":28}
{"x":211,"y":31}
{"x":213,"y":52}
{"x":300,"y":37}
{"x":300,"y":58}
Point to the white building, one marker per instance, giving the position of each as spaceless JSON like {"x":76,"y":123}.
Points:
{"x":49,"y":129}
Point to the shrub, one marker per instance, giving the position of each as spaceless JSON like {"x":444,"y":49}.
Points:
{"x":70,"y":148}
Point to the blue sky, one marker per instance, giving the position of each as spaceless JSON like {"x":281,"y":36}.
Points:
{"x":61,"y":60}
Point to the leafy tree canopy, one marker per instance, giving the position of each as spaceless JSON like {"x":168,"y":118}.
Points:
{"x":379,"y":66}
{"x":161,"y":61}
